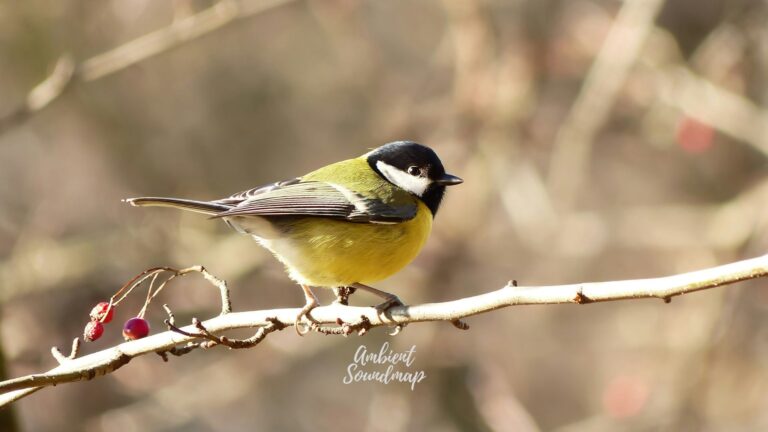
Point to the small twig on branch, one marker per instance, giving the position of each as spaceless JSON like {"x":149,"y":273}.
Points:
{"x":365,"y":318}
{"x":154,"y":272}
{"x":61,"y":358}
{"x":273,"y":325}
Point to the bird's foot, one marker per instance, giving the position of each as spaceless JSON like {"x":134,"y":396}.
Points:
{"x":301,"y":327}
{"x":389,"y":302}
{"x":342,"y":294}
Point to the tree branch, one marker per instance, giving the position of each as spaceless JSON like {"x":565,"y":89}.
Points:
{"x":664,"y":288}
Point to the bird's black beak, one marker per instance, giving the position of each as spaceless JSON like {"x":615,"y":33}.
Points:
{"x":449,"y":180}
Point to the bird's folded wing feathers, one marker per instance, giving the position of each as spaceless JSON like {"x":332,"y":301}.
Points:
{"x":244,"y":195}
{"x":315,"y":198}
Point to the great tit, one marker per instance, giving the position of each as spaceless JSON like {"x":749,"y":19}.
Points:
{"x":348,"y":224}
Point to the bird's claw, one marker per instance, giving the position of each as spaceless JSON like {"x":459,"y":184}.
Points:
{"x":389,"y":303}
{"x":301,"y":326}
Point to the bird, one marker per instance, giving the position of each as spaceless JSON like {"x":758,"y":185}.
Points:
{"x":349,"y":224}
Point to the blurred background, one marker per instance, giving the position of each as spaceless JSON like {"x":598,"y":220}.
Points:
{"x":598,"y":140}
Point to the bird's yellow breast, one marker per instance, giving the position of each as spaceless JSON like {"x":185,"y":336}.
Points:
{"x":329,"y":253}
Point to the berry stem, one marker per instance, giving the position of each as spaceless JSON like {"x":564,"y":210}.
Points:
{"x":149,"y":295}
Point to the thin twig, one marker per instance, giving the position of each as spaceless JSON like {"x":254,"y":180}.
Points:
{"x":154,"y":272}
{"x":273,"y":325}
{"x":108,"y":360}
{"x":61,"y":358}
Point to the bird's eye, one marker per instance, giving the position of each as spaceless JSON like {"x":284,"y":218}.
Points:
{"x":413,"y":170}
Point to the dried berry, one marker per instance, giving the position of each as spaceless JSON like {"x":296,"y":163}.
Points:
{"x":93,"y":330}
{"x":135,"y":328}
{"x":102,"y":312}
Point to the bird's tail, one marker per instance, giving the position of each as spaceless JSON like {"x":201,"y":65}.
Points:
{"x":208,"y":208}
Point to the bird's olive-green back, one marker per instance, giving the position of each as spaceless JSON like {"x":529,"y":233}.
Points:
{"x":358,"y":176}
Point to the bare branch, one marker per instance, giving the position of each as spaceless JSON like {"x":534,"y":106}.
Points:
{"x":364,"y":318}
{"x":179,"y":32}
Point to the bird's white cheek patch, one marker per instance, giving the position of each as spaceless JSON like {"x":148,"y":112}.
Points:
{"x":413,"y":184}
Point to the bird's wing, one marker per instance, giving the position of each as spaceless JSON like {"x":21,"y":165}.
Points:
{"x":315,"y":198}
{"x":246,"y":194}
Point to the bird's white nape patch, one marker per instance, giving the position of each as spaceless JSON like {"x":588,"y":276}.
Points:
{"x":413,"y":184}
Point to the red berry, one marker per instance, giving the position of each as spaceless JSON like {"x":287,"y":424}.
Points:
{"x":102,"y":312}
{"x":93,"y":330}
{"x":135,"y":328}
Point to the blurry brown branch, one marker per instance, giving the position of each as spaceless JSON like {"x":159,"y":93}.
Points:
{"x":108,"y":360}
{"x":180,"y":31}
{"x":728,"y":112}
{"x":40,"y":96}
{"x":570,"y":159}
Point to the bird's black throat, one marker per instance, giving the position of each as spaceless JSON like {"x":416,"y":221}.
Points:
{"x":433,"y":197}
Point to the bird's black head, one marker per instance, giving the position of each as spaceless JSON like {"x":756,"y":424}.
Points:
{"x":415,"y":168}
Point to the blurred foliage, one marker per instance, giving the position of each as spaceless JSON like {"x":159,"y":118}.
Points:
{"x":676,"y":181}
